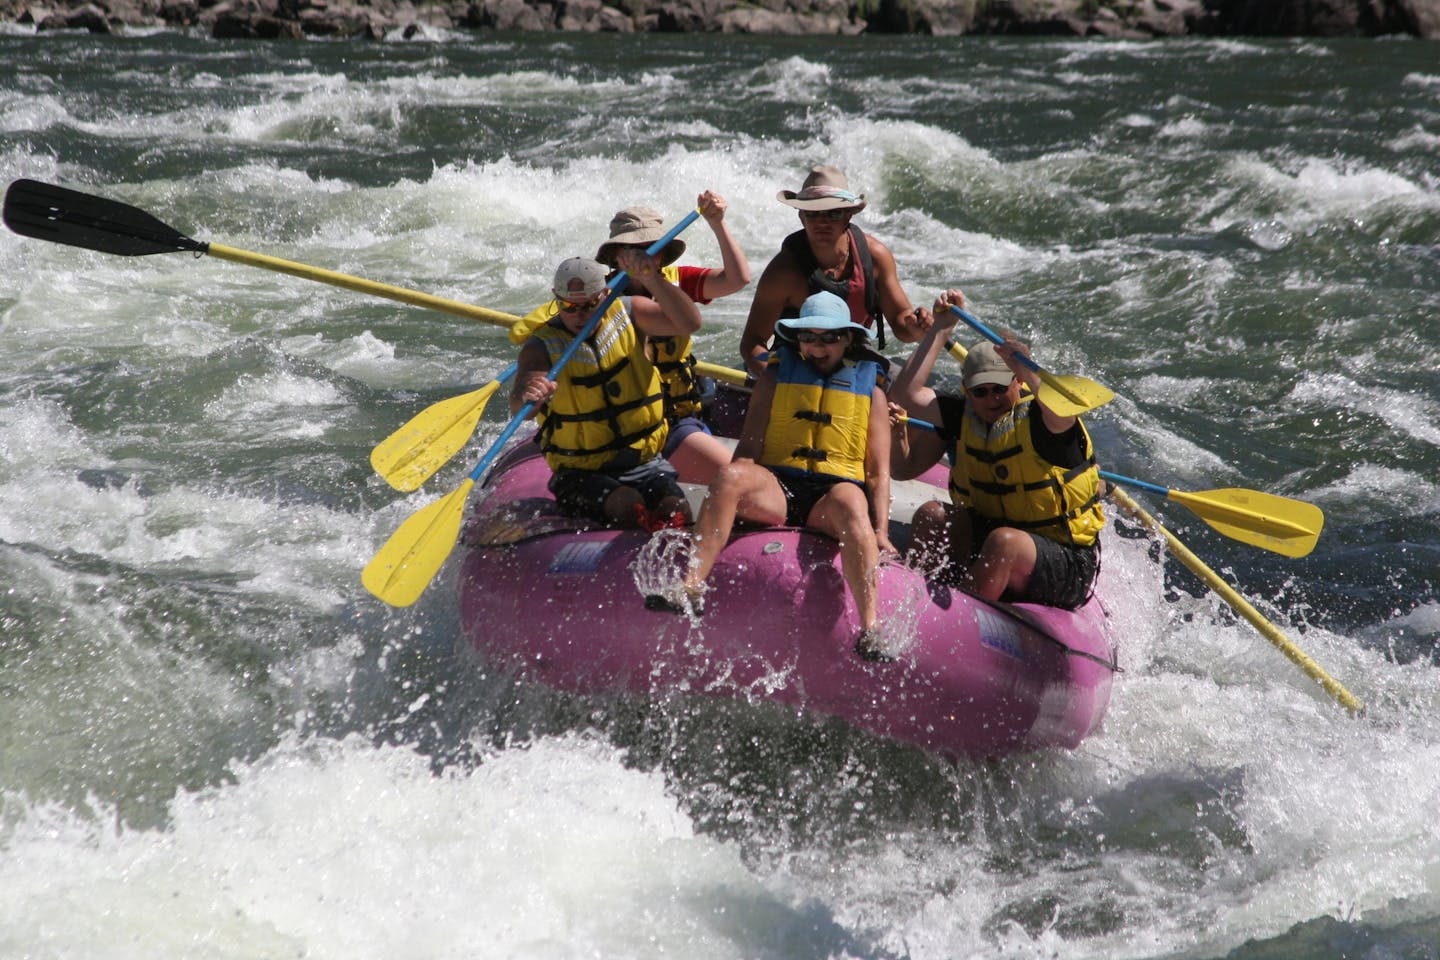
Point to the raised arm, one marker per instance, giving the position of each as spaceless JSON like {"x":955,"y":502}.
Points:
{"x":913,"y":450}
{"x":910,"y":387}
{"x":734,"y":273}
{"x":668,"y":311}
{"x":1008,"y":351}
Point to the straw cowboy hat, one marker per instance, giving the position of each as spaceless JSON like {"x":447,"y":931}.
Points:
{"x":825,"y":188}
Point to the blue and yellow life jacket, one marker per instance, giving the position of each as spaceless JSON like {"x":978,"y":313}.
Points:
{"x":998,"y":472}
{"x":819,"y":424}
{"x":608,"y":397}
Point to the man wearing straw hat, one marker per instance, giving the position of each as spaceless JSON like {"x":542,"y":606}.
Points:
{"x":832,"y":255}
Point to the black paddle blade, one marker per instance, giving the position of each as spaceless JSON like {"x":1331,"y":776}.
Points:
{"x":46,"y":212}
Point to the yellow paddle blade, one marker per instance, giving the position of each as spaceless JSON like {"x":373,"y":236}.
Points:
{"x":404,"y":567}
{"x":1279,"y":524}
{"x":1068,"y":395}
{"x":412,"y":454}
{"x":521,"y":329}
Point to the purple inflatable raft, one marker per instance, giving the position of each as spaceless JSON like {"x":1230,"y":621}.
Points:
{"x":562,"y":602}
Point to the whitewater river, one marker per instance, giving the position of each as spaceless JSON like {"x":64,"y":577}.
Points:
{"x":214,"y":743}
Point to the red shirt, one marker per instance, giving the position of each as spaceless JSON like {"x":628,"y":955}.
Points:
{"x":692,"y":281}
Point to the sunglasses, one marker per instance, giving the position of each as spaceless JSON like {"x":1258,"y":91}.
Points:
{"x":826,"y":216}
{"x":817,"y":336}
{"x":586,"y":307}
{"x":988,"y":390}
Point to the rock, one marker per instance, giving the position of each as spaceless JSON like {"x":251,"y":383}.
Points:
{"x":288,"y":19}
{"x":511,"y":15}
{"x":241,"y":25}
{"x":1422,"y":17}
{"x":88,"y":17}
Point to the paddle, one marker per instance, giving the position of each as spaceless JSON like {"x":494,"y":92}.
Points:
{"x":717,"y":372}
{"x":1274,"y":523}
{"x":415,"y":552}
{"x":1241,"y":606}
{"x":1279,"y":524}
{"x":1066,"y":395}
{"x":47,"y":212}
{"x":427,"y":441}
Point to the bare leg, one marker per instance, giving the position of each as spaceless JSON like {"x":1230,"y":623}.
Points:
{"x":844,"y":513}
{"x":740,"y":489}
{"x":941,"y":540}
{"x":699,"y":457}
{"x":1006,"y":560}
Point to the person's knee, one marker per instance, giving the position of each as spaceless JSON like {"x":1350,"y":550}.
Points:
{"x":620,"y":506}
{"x":730,"y":479}
{"x":846,"y":512}
{"x":1005,"y":543}
{"x":930,"y":514}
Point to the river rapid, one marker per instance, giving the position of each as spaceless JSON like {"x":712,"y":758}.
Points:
{"x":214,"y":743}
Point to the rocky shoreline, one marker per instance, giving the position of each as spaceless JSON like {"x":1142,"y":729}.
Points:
{"x":378,"y":19}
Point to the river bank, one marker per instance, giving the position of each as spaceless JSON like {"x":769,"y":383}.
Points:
{"x":379,"y":19}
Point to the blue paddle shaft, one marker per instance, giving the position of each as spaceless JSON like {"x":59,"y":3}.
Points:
{"x":1131,"y":481}
{"x":617,"y":284}
{"x":992,"y":336}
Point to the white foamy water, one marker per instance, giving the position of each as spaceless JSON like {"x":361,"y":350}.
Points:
{"x":214,"y":743}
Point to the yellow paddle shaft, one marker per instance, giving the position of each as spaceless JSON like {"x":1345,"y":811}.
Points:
{"x":717,"y":372}
{"x":359,"y":285}
{"x":1241,"y":606}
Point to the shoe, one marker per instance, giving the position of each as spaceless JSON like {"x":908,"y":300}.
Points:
{"x":653,"y":521}
{"x":677,"y":600}
{"x":871,"y":646}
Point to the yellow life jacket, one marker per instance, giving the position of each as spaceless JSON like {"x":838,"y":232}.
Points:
{"x":608,"y":399}
{"x":819,"y":424}
{"x":671,"y":355}
{"x":998,"y":472}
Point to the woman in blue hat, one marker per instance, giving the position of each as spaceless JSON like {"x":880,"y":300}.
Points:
{"x":814,"y":452}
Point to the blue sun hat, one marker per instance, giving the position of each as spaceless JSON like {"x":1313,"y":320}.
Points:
{"x":820,"y":311}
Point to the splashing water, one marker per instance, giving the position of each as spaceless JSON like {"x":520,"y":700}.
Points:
{"x":660,"y":567}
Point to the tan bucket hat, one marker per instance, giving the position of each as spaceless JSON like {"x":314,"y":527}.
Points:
{"x":825,"y":188}
{"x":638,"y":227}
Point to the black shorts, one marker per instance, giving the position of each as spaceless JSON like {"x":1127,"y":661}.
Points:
{"x":1064,"y":575}
{"x":582,"y":493}
{"x":803,"y":491}
{"x":679,"y":430}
